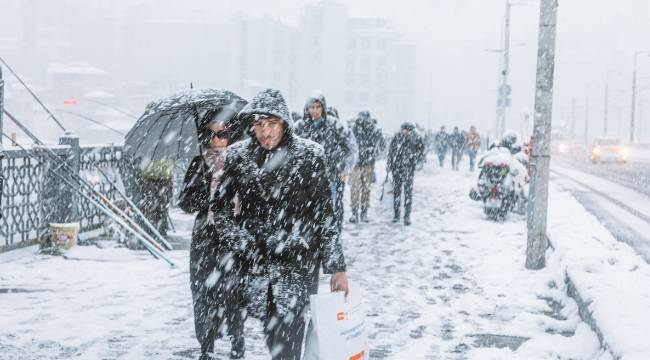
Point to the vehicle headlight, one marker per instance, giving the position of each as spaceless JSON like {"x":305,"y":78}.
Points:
{"x":563,"y":148}
{"x":623,"y":151}
{"x":596,"y":151}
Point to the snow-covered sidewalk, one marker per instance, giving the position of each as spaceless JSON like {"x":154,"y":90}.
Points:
{"x":451,"y":286}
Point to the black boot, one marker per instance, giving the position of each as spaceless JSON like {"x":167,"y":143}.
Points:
{"x":355,"y":217}
{"x":238,"y":347}
{"x":364,"y":216}
{"x":407,"y":221}
{"x":206,"y":356}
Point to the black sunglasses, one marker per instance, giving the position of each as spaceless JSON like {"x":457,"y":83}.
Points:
{"x":221,"y":134}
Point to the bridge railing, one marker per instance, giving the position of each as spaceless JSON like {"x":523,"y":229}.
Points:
{"x":33,"y":196}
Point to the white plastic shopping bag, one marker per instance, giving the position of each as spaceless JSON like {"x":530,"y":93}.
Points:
{"x":338,"y":329}
{"x":387,"y":193}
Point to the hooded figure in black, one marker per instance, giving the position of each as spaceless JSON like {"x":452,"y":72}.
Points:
{"x":370,"y":140}
{"x":332,"y":135}
{"x":457,"y":144}
{"x":216,"y":271}
{"x":285,"y":217}
{"x":406,"y":150}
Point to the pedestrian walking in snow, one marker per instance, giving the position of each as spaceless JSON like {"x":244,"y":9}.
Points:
{"x":216,"y":271}
{"x":472,"y":144}
{"x":370,"y":141}
{"x":155,"y":194}
{"x":441,"y":142}
{"x":331,"y":134}
{"x":406,"y":149}
{"x":457,"y":144}
{"x":286,"y":219}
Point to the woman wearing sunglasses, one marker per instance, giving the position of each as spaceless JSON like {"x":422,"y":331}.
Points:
{"x":215,"y":271}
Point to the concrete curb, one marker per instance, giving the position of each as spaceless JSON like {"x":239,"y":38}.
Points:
{"x":586,"y":315}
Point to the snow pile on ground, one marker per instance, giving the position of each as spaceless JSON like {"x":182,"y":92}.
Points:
{"x":451,"y":286}
{"x":608,"y":275}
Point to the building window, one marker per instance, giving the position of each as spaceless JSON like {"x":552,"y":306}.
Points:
{"x":366,"y":43}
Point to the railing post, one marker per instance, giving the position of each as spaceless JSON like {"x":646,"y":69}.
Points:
{"x":61,"y":202}
{"x":72,"y":206}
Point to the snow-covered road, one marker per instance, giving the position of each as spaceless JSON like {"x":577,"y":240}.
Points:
{"x":624,"y":211}
{"x":451,"y":286}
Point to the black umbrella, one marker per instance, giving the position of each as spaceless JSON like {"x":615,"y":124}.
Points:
{"x":168,"y":128}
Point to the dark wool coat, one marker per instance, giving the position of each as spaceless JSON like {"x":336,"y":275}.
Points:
{"x":285,"y":206}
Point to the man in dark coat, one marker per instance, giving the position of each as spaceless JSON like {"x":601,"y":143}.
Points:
{"x":216,"y":270}
{"x":457,"y":144}
{"x":286,"y":206}
{"x":328,"y":131}
{"x":370,"y":142}
{"x":406,"y":150}
{"x":441,"y":142}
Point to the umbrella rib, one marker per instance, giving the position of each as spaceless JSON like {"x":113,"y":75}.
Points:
{"x":180,"y":138}
{"x":171,"y":118}
{"x":143,"y":138}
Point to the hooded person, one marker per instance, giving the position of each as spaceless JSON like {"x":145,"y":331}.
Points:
{"x":406,"y":150}
{"x":370,"y":140}
{"x":457,"y":144}
{"x":285,"y":218}
{"x":441,"y":143}
{"x":217,"y":299}
{"x":328,"y":131}
{"x":472,"y":144}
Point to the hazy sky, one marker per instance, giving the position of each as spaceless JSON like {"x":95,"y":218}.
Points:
{"x":594,"y":36}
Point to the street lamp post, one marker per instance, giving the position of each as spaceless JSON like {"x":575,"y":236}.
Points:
{"x":503,"y":93}
{"x":633,"y":109}
{"x":606,"y":104}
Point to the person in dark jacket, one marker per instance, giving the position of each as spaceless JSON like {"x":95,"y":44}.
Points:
{"x":215,"y":270}
{"x":457,"y":144}
{"x":441,"y":143}
{"x":285,"y":214}
{"x":328,"y":131}
{"x":406,"y":150}
{"x":472,"y":144}
{"x":370,"y":142}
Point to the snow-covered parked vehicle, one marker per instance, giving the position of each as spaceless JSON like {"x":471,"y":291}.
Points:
{"x":502,"y":183}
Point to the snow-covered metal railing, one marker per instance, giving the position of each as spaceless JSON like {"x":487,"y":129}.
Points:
{"x":32,"y":197}
{"x":107,"y":157}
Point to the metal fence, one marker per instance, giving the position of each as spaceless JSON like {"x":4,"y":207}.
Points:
{"x":31,"y":195}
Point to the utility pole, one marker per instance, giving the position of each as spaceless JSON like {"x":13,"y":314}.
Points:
{"x":633,"y":108}
{"x":541,"y":156}
{"x":587,"y":120}
{"x":606,"y":104}
{"x":641,"y":121}
{"x":572,"y":127}
{"x":503,"y":93}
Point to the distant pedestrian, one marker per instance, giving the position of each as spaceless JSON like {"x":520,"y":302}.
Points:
{"x":472,"y":144}
{"x":406,"y":150}
{"x":333,"y":136}
{"x":155,"y":193}
{"x":457,"y":144}
{"x":370,"y":142}
{"x":441,"y":143}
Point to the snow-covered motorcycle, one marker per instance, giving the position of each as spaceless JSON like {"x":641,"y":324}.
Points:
{"x":502,"y":183}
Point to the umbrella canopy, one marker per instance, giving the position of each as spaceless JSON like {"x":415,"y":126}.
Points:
{"x":169,"y":127}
